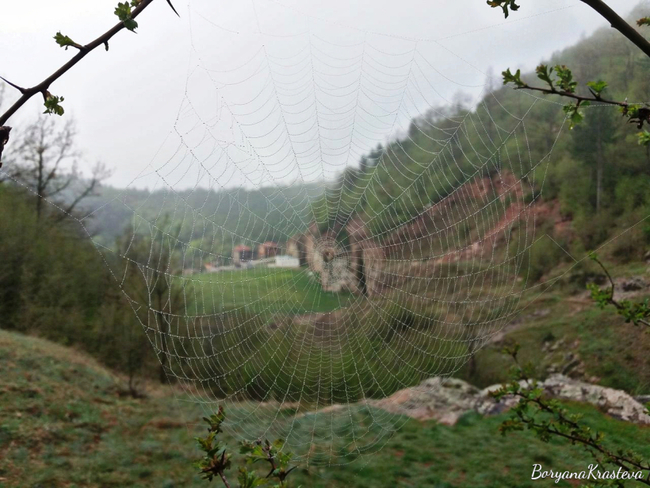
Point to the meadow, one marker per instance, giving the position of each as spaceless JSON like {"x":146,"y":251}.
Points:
{"x":265,"y":291}
{"x":66,"y":422}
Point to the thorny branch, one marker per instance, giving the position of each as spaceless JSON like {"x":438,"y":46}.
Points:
{"x":558,"y":423}
{"x":635,"y":113}
{"x":633,"y":312}
{"x":83,"y":50}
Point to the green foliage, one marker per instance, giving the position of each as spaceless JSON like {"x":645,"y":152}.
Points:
{"x":53,"y":283}
{"x":65,"y":41}
{"x":549,"y":419}
{"x":597,"y":87}
{"x":545,"y":73}
{"x":53,"y":104}
{"x":508,"y":77}
{"x":271,"y":453}
{"x":572,"y":110}
{"x":565,"y":78}
{"x":505,"y":5}
{"x":643,"y":21}
{"x":542,"y":257}
{"x":637,"y":114}
{"x":635,"y":312}
{"x":644,"y":138}
{"x":124,"y":12}
{"x":217,"y":460}
{"x":560,"y":80}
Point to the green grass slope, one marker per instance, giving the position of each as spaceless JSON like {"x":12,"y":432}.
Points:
{"x":563,"y":331}
{"x":65,"y":423}
{"x":265,"y":291}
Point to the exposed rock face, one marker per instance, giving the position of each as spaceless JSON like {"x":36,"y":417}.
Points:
{"x":446,"y":400}
{"x":366,"y":260}
{"x":616,"y":403}
{"x":631,"y":284}
{"x":428,"y":240}
{"x":331,"y":262}
{"x":356,"y":267}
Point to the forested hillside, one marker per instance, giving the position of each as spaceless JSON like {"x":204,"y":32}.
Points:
{"x":596,"y":174}
{"x":205,"y":219}
{"x":445,"y":148}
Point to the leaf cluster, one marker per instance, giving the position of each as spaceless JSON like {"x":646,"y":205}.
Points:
{"x":559,"y":80}
{"x":65,"y":41}
{"x":53,"y":104}
{"x":635,"y":312}
{"x":124,"y":13}
{"x":549,"y":419}
{"x":216,"y":460}
{"x":505,"y":5}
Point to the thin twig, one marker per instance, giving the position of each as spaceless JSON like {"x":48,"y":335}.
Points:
{"x":579,"y":98}
{"x":44,"y":85}
{"x":616,"y":303}
{"x":223,"y":478}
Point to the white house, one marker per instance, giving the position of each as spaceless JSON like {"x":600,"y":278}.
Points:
{"x":286,"y":262}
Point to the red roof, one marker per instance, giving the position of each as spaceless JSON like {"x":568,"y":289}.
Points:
{"x":241,"y":247}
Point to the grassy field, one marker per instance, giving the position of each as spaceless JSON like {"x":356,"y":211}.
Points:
{"x":265,"y":291}
{"x":567,"y":333}
{"x":65,"y":423}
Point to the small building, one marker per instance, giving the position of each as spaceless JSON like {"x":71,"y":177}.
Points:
{"x":268,"y":249}
{"x":241,"y":254}
{"x":285,"y":261}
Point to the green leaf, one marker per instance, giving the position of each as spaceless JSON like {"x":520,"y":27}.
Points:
{"x":123,"y":12}
{"x":544,"y":73}
{"x":644,"y":138}
{"x":572,"y":110}
{"x":505,"y":5}
{"x":643,"y":21}
{"x":565,"y":77}
{"x":64,"y":41}
{"x":249,"y":479}
{"x":52,"y":105}
{"x":597,"y":86}
{"x":131,"y":24}
{"x":508,"y":77}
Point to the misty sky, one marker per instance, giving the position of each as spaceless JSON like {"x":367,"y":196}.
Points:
{"x":209,"y":98}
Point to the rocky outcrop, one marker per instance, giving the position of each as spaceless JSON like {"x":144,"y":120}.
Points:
{"x":616,"y":403}
{"x":446,"y":400}
{"x":441,"y":399}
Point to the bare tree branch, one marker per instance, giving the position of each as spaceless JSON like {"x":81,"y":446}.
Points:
{"x":44,"y":85}
{"x":46,"y":162}
{"x":618,"y":23}
{"x":100,"y":173}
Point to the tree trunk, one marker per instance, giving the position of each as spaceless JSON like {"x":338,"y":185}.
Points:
{"x":40,"y":184}
{"x":599,"y":172}
{"x":163,"y":331}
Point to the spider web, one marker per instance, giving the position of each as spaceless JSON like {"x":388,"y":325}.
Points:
{"x":409,"y":265}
